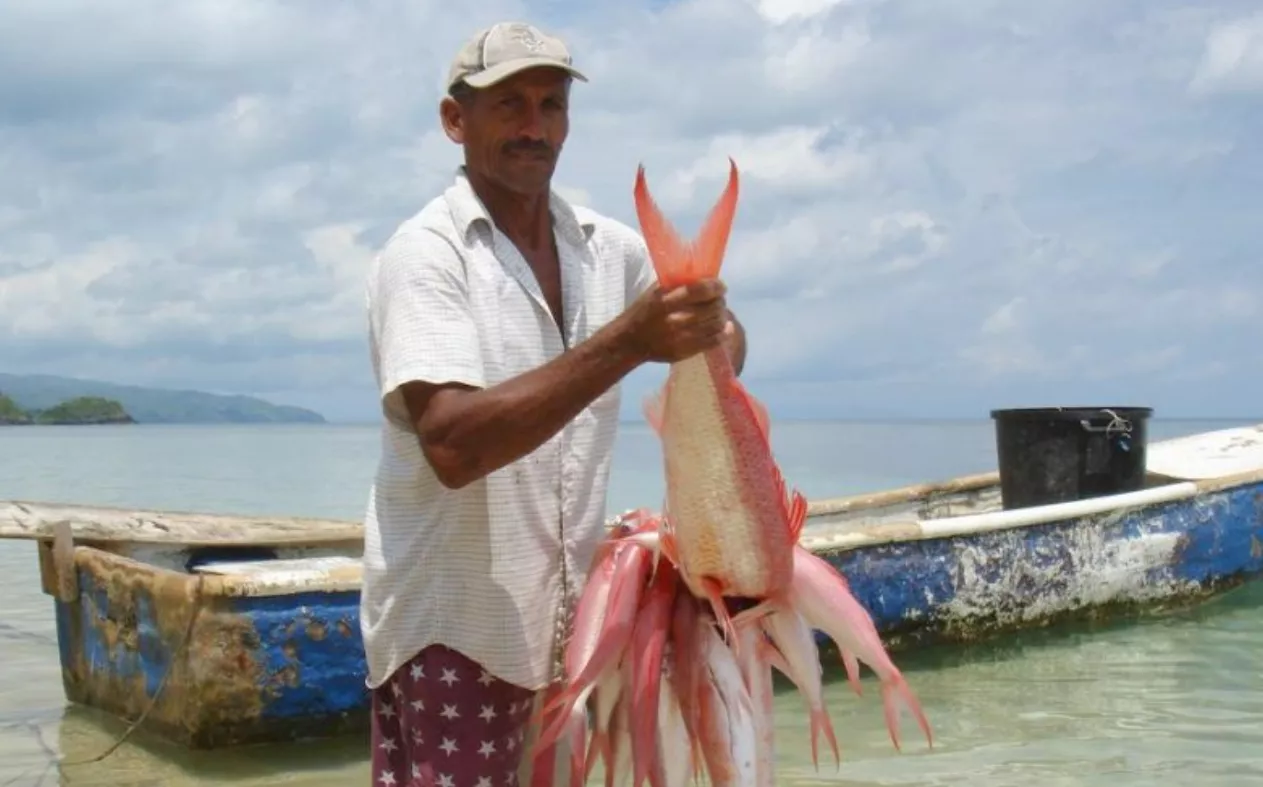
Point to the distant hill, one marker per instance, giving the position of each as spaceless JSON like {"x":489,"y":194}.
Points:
{"x":152,"y":405}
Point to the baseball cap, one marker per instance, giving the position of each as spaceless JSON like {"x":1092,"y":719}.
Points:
{"x":505,"y":48}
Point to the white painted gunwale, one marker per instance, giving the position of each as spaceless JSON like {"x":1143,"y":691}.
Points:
{"x":850,"y":535}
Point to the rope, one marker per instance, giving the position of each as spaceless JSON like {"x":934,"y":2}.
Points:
{"x":1117,"y":424}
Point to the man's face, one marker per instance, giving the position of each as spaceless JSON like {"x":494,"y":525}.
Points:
{"x":513,"y":131}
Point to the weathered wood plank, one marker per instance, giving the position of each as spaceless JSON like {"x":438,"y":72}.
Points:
{"x":92,"y":524}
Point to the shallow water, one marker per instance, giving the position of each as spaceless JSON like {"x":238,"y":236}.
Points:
{"x":1173,"y":699}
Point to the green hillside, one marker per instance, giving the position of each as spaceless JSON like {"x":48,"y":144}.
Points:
{"x":10,"y":413}
{"x":150,"y":405}
{"x":84,"y":410}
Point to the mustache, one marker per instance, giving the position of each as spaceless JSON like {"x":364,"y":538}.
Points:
{"x":529,"y":146}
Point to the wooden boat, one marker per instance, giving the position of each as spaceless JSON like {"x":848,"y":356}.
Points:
{"x":219,"y":631}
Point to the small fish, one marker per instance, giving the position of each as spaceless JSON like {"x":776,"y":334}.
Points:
{"x":648,"y":645}
{"x":727,"y":732}
{"x":799,"y":659}
{"x":753,"y":658}
{"x":823,"y":597}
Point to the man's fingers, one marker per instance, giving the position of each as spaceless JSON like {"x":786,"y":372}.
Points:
{"x":698,"y":293}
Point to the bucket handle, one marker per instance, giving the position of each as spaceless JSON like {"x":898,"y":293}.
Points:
{"x":1117,"y":425}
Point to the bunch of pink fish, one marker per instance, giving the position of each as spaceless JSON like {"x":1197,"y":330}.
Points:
{"x":679,"y":687}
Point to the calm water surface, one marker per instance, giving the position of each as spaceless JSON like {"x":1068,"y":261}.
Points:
{"x":1173,"y":700}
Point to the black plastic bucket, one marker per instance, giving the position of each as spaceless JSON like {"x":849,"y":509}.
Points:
{"x":1057,"y":454}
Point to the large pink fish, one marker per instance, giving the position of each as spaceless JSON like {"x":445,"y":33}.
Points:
{"x":731,"y":525}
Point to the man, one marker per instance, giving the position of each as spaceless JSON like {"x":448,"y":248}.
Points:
{"x":502,"y":320}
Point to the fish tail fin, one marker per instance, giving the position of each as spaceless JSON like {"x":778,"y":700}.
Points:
{"x":821,"y":722}
{"x":895,"y":687}
{"x":852,"y":665}
{"x":675,"y":261}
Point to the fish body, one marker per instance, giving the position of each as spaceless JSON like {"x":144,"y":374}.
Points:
{"x":756,"y":672}
{"x":731,"y":522}
{"x":728,"y":733}
{"x":647,"y":649}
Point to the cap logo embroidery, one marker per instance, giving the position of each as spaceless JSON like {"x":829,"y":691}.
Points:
{"x":527,"y":39}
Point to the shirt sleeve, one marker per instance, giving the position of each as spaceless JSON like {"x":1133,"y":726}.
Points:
{"x":421,"y":317}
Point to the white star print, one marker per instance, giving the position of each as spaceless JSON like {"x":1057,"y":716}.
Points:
{"x":488,"y":713}
{"x":418,"y":672}
{"x":418,"y":705}
{"x":511,"y":743}
{"x":416,"y":771}
{"x":445,"y":780}
{"x":450,"y":712}
{"x":416,"y":737}
{"x":483,"y":781}
{"x":388,"y":744}
{"x":387,"y":710}
{"x":449,"y":676}
{"x":486,"y":680}
{"x":387,"y":777}
{"x":449,"y":746}
{"x":396,"y":689}
{"x":487,"y":749}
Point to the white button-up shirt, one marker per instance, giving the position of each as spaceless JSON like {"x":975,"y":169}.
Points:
{"x":489,"y":570}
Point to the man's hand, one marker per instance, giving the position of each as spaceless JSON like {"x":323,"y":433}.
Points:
{"x":671,"y":325}
{"x":735,"y":342}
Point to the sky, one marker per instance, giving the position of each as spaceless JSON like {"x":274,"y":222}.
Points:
{"x":947,"y":207}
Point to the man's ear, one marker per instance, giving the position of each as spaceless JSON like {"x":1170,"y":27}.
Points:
{"x":452,"y":115}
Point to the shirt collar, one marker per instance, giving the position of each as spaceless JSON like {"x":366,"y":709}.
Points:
{"x":467,"y":208}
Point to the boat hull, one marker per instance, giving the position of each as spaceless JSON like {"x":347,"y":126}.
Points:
{"x":206,"y":664}
{"x":964,"y":588}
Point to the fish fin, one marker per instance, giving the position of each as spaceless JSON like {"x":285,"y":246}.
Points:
{"x":896,"y":687}
{"x":796,"y":513}
{"x":760,"y":416}
{"x":755,"y":613}
{"x":852,"y":665}
{"x":708,"y":249}
{"x":675,"y":261}
{"x":655,"y":407}
{"x":712,"y":590}
{"x":820,"y":721}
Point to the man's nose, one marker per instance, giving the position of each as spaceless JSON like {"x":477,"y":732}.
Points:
{"x":532,"y":127}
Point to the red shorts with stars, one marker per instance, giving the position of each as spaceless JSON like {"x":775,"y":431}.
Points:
{"x":442,"y":721}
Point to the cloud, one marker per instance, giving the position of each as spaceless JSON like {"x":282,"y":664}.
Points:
{"x":945,"y":206}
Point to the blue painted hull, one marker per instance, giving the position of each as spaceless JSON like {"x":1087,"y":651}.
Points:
{"x":249,"y":669}
{"x":967,"y":588}
{"x":282,"y":667}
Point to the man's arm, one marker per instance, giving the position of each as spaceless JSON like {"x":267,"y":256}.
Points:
{"x":430,"y":353}
{"x":467,"y":433}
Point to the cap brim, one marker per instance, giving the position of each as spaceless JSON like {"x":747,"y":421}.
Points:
{"x":502,"y":71}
